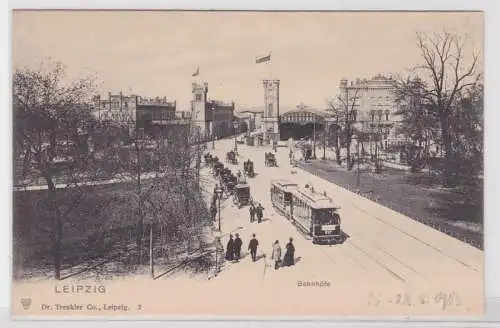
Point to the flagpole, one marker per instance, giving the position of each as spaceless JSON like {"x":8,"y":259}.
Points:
{"x":270,"y":68}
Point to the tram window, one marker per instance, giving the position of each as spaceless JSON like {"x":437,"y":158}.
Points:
{"x":326,"y":216}
{"x":288,"y":197}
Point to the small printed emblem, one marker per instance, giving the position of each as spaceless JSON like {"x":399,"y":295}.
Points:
{"x":26,"y":303}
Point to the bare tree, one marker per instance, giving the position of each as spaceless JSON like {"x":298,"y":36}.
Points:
{"x":450,"y":71}
{"x":345,"y":112}
{"x":52,"y":121}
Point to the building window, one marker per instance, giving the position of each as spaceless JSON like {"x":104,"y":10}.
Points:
{"x":387,"y":115}
{"x":354,"y":115}
{"x":198,"y":97}
{"x":270,"y":110}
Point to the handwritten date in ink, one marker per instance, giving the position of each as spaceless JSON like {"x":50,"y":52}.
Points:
{"x":441,"y":299}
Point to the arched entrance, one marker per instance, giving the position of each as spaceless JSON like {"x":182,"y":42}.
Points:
{"x":301,"y":123}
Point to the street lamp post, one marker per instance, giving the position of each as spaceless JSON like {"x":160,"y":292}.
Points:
{"x":218,"y":192}
{"x":235,"y":125}
{"x":358,"y":126}
{"x":358,"y":178}
{"x":314,"y":138}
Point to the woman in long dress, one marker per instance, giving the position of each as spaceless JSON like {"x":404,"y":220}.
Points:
{"x":230,"y":249}
{"x":288,"y":259}
{"x":276,"y":255}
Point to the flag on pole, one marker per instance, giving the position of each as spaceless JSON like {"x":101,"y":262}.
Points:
{"x":197,"y":72}
{"x":264,"y":59}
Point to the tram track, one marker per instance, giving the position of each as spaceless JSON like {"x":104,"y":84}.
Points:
{"x":401,"y":271}
{"x":399,"y":230}
{"x":350,"y":246}
{"x":387,"y":254}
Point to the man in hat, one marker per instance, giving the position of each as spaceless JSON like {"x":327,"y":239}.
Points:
{"x":252,"y":246}
{"x":259,"y":210}
{"x":252,"y":212}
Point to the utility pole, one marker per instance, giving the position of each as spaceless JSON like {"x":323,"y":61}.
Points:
{"x":314,"y":137}
{"x":325,"y":135}
{"x":151,"y":259}
{"x":358,"y":175}
{"x":139,"y":193}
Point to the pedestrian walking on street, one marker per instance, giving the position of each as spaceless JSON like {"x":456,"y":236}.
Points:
{"x":219,"y":254}
{"x":237,"y":247}
{"x":252,"y":212}
{"x":252,"y":246}
{"x":276,"y":256}
{"x":288,"y":259}
{"x":259,"y":210}
{"x":230,"y":249}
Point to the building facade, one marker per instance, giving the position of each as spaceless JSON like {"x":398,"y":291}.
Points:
{"x":373,"y":105}
{"x":211,"y":117}
{"x":153,"y":114}
{"x":256,"y":115}
{"x":147,"y":115}
{"x":117,"y":107}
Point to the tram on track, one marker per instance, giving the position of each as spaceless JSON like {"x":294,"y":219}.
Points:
{"x":314,"y":214}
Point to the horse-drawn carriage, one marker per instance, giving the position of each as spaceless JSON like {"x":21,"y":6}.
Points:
{"x":242,"y":195}
{"x":228,"y":181}
{"x":231,"y":158}
{"x":218,"y":167}
{"x":248,"y":168}
{"x":270,"y":160}
{"x":210,"y":160}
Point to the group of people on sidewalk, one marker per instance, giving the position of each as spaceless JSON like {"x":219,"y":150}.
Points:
{"x":233,"y":251}
{"x":288,"y":259}
{"x":233,"y":248}
{"x":256,"y":211}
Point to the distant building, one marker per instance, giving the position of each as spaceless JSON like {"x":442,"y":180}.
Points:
{"x":153,"y":114}
{"x":245,"y":121}
{"x":373,"y":104}
{"x":256,"y":115}
{"x":211,"y":117}
{"x":147,"y":115}
{"x":117,"y":108}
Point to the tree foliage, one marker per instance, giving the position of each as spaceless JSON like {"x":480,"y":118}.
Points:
{"x":51,"y":123}
{"x":451,"y":74}
{"x":418,"y":123}
{"x":58,"y":139}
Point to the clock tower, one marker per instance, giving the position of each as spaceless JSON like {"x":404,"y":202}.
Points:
{"x":270,"y":126}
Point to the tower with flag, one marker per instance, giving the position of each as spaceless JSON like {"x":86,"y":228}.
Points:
{"x":199,"y":102}
{"x":270,"y":121}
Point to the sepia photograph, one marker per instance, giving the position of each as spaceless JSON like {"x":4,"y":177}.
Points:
{"x":247,"y":164}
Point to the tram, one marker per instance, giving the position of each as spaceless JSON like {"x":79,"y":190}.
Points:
{"x":314,"y":214}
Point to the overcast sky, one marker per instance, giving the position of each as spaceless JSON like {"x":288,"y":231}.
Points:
{"x":154,"y":53}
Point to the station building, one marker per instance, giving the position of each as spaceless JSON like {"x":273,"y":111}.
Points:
{"x":148,"y":116}
{"x":212,"y":118}
{"x":373,"y":105}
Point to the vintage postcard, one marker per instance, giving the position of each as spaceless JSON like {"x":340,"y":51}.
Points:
{"x":192,"y":164}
